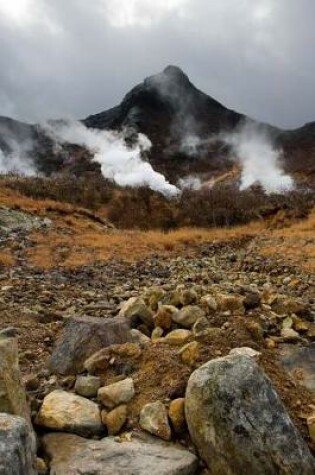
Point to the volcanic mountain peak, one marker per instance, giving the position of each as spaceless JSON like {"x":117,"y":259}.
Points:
{"x":171,"y":80}
{"x":181,"y":122}
{"x":161,"y":97}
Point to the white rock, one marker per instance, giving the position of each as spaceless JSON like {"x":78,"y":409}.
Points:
{"x":245,"y":351}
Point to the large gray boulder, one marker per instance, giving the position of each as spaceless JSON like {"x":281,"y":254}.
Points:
{"x":73,"y":455}
{"x":83,"y":337}
{"x":12,"y":393}
{"x":238,"y":423}
{"x":17,"y":446}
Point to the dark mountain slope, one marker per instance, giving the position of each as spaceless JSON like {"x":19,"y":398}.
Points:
{"x":172,"y":112}
{"x":180,"y":121}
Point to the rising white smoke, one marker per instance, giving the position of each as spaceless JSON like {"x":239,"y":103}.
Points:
{"x":119,"y":163}
{"x":190,"y":182}
{"x":260,"y":160}
{"x":16,"y":162}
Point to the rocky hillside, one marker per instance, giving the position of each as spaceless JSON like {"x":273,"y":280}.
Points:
{"x":180,"y":121}
{"x":135,"y":348}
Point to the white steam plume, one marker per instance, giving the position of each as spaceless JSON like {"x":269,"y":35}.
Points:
{"x":259,"y":159}
{"x":119,"y":163}
{"x":16,"y":162}
{"x":190,"y":182}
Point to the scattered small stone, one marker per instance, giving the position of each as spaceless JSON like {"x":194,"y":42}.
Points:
{"x":87,"y":386}
{"x":270,"y":343}
{"x":115,"y":419}
{"x":187,"y":316}
{"x":118,"y":393}
{"x":41,"y":466}
{"x":232,"y":303}
{"x":300,"y":326}
{"x":68,"y":382}
{"x":31,"y":382}
{"x":139,"y":338}
{"x":67,"y":412}
{"x":245,"y":352}
{"x":252,"y":300}
{"x":153,"y":419}
{"x":200,"y":327}
{"x":311,"y":426}
{"x":163,"y":317}
{"x":135,"y":311}
{"x":10,"y":332}
{"x":176,"y":414}
{"x":157,"y":334}
{"x":188,"y":297}
{"x":190,"y":353}
{"x":256,"y":330}
{"x":178,"y":337}
{"x":287,"y":323}
{"x":289,"y":335}
{"x":209,"y":302}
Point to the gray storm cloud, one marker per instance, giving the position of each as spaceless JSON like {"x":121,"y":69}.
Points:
{"x":119,"y":163}
{"x":74,"y":58}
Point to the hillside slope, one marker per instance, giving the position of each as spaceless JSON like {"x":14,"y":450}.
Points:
{"x":181,"y":122}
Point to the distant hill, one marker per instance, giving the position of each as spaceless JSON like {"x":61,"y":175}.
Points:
{"x":180,"y":121}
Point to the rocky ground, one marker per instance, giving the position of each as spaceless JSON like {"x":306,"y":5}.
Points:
{"x":173,"y":314}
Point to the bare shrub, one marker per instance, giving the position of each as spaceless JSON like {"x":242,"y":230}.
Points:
{"x":141,"y":208}
{"x":88,"y":191}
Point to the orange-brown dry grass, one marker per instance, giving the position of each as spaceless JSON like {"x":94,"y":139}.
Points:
{"x":76,"y":239}
{"x":6,"y":259}
{"x":14,"y":199}
{"x":87,"y":244}
{"x":296,"y":242}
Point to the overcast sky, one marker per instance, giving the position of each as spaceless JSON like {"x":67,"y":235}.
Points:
{"x":77,"y":57}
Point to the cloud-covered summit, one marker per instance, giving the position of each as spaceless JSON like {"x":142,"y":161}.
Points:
{"x":74,"y":58}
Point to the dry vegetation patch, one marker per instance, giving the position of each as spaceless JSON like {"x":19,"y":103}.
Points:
{"x":295,"y":242}
{"x":79,"y":236}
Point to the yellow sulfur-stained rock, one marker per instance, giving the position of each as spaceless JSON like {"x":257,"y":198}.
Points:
{"x":311,"y":427}
{"x":115,"y":419}
{"x":190,"y":353}
{"x":118,"y":393}
{"x":176,"y":413}
{"x":178,"y":337}
{"x":67,"y":412}
{"x":153,"y":419}
{"x":163,"y":317}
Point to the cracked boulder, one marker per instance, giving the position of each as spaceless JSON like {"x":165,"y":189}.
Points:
{"x":73,"y":455}
{"x":17,"y":446}
{"x":239,"y":424}
{"x":83,"y":337}
{"x":12,"y":392}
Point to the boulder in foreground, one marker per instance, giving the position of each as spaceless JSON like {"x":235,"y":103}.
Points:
{"x":12,"y":393}
{"x":68,"y":412}
{"x":17,"y":446}
{"x":83,"y":337}
{"x":73,"y":455}
{"x":238,"y":423}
